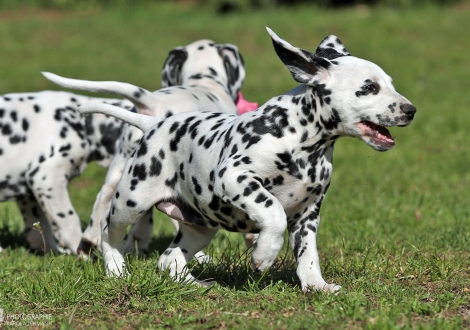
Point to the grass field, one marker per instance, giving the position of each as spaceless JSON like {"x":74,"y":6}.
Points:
{"x":395,"y":226}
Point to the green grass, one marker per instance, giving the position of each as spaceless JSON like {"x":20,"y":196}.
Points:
{"x":395,"y":225}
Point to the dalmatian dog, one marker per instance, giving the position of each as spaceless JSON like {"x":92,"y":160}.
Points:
{"x":200,"y":76}
{"x":44,"y":143}
{"x":263,"y":172}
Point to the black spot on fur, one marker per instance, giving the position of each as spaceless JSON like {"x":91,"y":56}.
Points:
{"x":182,"y":176}
{"x":178,"y":237}
{"x":142,"y":151}
{"x":252,"y":186}
{"x":14,"y":116}
{"x":140,"y":172}
{"x":25,"y":124}
{"x":288,"y":164}
{"x":261,"y":198}
{"x":131,"y":203}
{"x":221,"y":172}
{"x":333,"y":121}
{"x":155,"y":167}
{"x":214,"y":204}
{"x":6,"y":129}
{"x":197,"y":186}
{"x":172,"y":182}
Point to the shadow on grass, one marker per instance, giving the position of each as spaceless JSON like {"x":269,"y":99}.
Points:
{"x":232,"y":268}
{"x":159,"y":244}
{"x":12,"y":240}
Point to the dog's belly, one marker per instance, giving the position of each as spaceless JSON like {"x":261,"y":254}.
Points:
{"x":227,"y":217}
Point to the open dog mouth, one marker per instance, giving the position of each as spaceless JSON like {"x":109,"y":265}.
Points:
{"x":378,"y":134}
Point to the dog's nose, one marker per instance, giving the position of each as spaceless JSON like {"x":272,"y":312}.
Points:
{"x":408,"y":109}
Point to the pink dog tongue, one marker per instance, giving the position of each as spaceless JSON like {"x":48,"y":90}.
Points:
{"x":245,"y":106}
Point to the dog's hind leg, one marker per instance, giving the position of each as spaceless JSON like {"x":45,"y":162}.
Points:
{"x":139,"y":236}
{"x":91,"y":237}
{"x":124,"y":212}
{"x":200,"y":256}
{"x":189,"y":240}
{"x":127,"y":207}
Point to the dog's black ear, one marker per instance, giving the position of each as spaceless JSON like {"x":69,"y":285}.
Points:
{"x":171,"y":71}
{"x":331,"y":47}
{"x":305,"y":67}
{"x":234,"y":68}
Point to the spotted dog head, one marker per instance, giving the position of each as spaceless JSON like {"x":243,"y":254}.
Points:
{"x":205,"y":59}
{"x":357,"y":97}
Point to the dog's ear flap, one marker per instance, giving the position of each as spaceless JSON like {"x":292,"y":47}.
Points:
{"x":331,"y":47}
{"x":305,"y":67}
{"x":171,"y":71}
{"x":234,"y":68}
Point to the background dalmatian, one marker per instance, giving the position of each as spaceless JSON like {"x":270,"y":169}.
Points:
{"x":200,"y":76}
{"x":44,"y":143}
{"x":262,"y":172}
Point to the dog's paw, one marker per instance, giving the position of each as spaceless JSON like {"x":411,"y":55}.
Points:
{"x":261,"y":266}
{"x":202,"y":258}
{"x":115,"y":271}
{"x":87,"y":250}
{"x":250,"y":240}
{"x":205,"y":283}
{"x":327,"y":288}
{"x":62,"y":250}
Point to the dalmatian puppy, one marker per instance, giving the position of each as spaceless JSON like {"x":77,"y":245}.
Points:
{"x":200,"y":76}
{"x":263,"y":172}
{"x":44,"y":143}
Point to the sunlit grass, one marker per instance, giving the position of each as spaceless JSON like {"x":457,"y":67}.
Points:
{"x":394,"y":229}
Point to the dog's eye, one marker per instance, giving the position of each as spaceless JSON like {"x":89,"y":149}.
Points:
{"x":371,"y":88}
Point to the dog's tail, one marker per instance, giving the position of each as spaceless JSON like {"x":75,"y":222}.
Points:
{"x":142,"y":99}
{"x":142,"y":122}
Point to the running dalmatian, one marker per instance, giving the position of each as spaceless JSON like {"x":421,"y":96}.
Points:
{"x":44,"y":143}
{"x":263,"y":172}
{"x":200,"y":76}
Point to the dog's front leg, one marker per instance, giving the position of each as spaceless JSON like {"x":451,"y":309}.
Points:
{"x":270,"y":239}
{"x":140,"y":234}
{"x":91,"y":237}
{"x":303,"y":240}
{"x":247,"y":194}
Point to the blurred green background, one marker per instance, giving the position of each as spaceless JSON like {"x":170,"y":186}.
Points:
{"x":395,"y":225}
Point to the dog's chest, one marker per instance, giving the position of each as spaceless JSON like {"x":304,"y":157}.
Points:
{"x":304,"y":182}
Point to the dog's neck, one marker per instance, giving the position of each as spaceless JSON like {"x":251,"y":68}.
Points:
{"x":311,"y":114}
